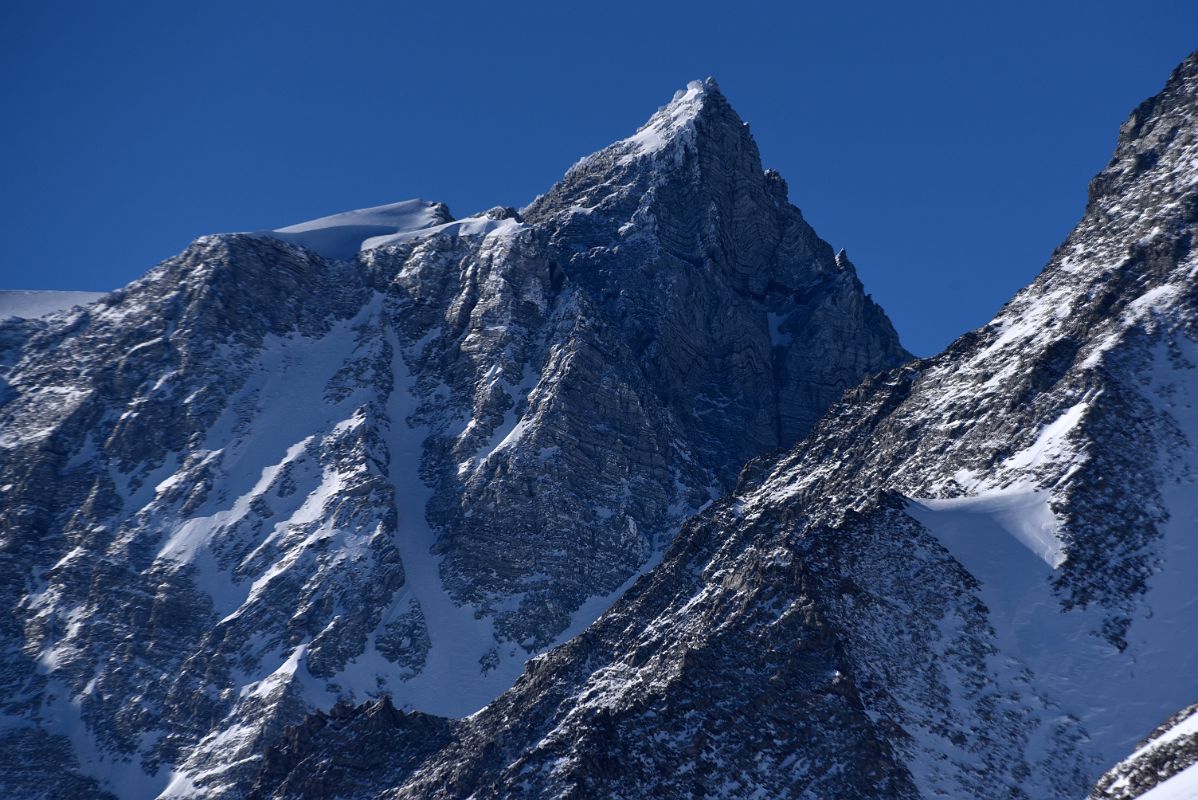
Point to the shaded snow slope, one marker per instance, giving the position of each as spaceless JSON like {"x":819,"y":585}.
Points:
{"x":1117,"y":694}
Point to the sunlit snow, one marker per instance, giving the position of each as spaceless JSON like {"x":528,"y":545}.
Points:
{"x":342,"y":236}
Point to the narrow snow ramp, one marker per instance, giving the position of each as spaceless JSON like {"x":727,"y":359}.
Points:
{"x":1182,"y":786}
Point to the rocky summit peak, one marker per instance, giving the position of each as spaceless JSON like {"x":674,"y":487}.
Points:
{"x":676,"y":120}
{"x":697,"y":140}
{"x":696,"y":97}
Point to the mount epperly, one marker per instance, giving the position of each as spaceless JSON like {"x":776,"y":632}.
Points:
{"x":391,"y":454}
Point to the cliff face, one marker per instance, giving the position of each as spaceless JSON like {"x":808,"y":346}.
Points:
{"x":392,"y":453}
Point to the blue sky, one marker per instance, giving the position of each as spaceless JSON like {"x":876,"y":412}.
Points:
{"x":947,"y":146}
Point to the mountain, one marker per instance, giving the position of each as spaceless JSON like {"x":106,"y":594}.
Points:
{"x":973,"y":579}
{"x":392,"y":454}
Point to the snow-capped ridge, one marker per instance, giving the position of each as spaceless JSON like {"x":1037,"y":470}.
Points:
{"x":31,"y":304}
{"x":342,"y":236}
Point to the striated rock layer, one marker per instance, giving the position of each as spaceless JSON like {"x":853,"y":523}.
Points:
{"x":390,"y":453}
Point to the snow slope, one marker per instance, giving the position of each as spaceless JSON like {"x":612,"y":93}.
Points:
{"x":33,"y":304}
{"x":342,"y":236}
{"x":1182,"y":786}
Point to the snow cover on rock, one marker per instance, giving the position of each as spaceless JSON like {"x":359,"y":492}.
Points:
{"x":34,"y":304}
{"x":1182,"y":786}
{"x":672,"y":123}
{"x":342,"y":236}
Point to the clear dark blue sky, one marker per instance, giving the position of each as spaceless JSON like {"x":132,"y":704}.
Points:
{"x":946,"y":145}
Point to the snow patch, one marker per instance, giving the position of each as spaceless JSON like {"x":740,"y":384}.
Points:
{"x":342,"y":236}
{"x":34,"y":304}
{"x":1052,"y":442}
{"x":662,"y":127}
{"x":1020,"y":514}
{"x":470,"y":226}
{"x":779,"y":337}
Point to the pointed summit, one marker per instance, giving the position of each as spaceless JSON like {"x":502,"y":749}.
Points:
{"x":685,"y":202}
{"x":697,"y":125}
{"x":673,"y":120}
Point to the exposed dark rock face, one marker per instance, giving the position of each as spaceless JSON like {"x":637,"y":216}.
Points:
{"x":974,"y":579}
{"x":266,"y":478}
{"x":341,"y":753}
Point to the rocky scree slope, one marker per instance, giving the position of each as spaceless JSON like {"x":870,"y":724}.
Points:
{"x":973,"y":579}
{"x":391,"y":453}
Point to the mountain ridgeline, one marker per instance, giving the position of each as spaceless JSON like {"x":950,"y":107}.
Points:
{"x":974,"y":578}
